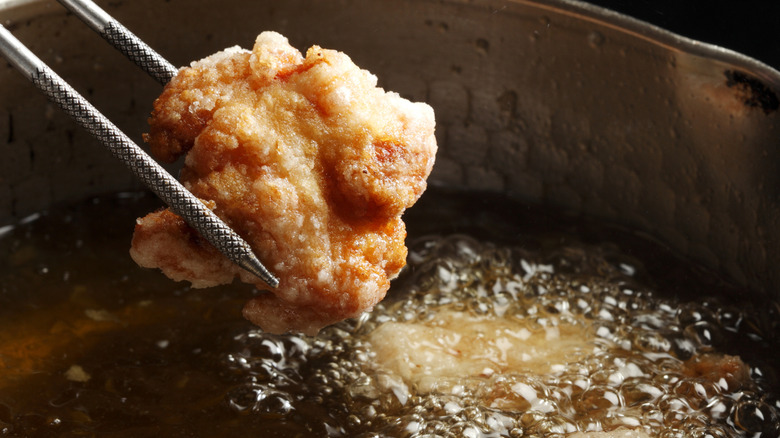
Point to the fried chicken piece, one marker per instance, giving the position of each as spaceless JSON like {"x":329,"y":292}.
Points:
{"x":431,"y":355}
{"x":724,"y":369}
{"x":308,"y":161}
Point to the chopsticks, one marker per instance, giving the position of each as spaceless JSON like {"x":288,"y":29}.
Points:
{"x":154,"y":176}
{"x":122,"y":39}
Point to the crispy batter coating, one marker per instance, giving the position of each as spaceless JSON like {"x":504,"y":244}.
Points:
{"x":307,"y":160}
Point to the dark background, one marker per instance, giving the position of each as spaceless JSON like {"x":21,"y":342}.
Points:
{"x":751,"y":27}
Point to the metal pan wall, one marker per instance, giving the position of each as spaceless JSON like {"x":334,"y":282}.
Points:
{"x":551,"y":102}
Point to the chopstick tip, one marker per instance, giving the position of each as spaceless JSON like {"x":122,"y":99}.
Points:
{"x":251,"y":263}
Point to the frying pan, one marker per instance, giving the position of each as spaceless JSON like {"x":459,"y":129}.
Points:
{"x":550,"y":102}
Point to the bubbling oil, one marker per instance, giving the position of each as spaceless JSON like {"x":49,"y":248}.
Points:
{"x":632,"y":376}
{"x":93,"y":346}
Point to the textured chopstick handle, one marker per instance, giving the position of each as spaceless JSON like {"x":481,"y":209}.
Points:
{"x":121,"y":38}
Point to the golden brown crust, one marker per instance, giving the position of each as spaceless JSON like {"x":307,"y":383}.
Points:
{"x":308,"y":160}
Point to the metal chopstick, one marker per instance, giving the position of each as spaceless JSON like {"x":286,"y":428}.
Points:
{"x":122,"y":39}
{"x":162,"y":183}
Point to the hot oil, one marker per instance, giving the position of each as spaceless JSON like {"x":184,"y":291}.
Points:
{"x":91,"y":345}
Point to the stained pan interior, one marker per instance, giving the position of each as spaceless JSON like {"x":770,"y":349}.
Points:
{"x":551,"y":102}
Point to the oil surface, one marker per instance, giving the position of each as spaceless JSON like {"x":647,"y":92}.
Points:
{"x":91,"y":345}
